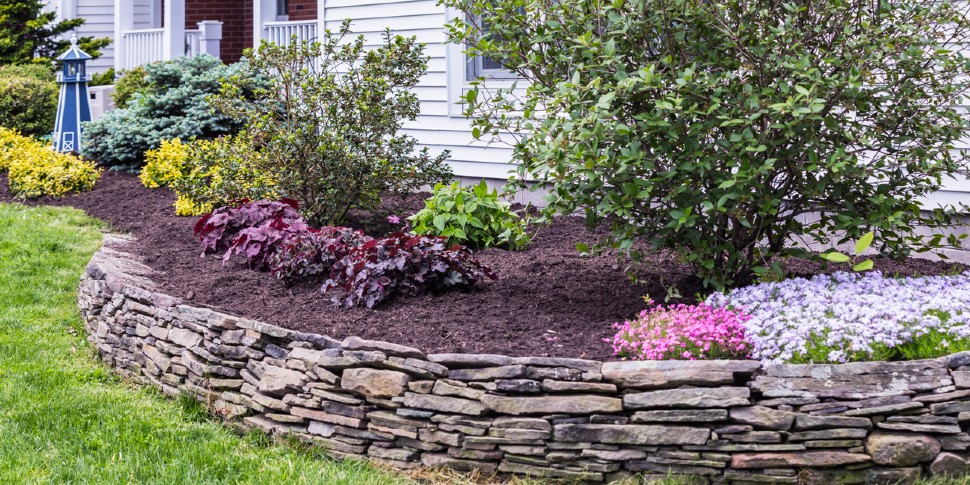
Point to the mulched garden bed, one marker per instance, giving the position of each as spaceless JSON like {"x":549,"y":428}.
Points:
{"x":548,"y":300}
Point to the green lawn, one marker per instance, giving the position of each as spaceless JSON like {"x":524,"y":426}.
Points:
{"x":65,"y":419}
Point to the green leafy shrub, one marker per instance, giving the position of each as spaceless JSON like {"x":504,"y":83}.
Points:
{"x":42,"y":72}
{"x":35,"y":169}
{"x":727,"y":129}
{"x":130,"y":81}
{"x":31,"y":33}
{"x":217,"y":172}
{"x":471,"y":216}
{"x":105,"y":78}
{"x":28,"y":101}
{"x":328,"y":121}
{"x":174,"y":105}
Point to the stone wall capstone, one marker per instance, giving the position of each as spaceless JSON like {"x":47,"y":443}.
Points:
{"x":718,"y":421}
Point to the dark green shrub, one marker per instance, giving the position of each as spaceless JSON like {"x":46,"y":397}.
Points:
{"x":174,"y":105}
{"x":471,"y":216}
{"x":28,"y":104}
{"x":105,"y":78}
{"x":130,"y":82}
{"x":328,"y":121}
{"x":30,"y":32}
{"x":727,"y":130}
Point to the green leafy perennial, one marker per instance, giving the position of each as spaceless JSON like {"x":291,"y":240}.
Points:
{"x":471,"y":216}
{"x":727,"y":129}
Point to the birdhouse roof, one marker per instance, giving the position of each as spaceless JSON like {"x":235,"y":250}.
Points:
{"x":74,"y":53}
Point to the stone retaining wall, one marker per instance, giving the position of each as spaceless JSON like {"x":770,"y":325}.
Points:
{"x":722,"y":421}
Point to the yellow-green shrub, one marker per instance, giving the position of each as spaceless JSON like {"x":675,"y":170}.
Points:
{"x":216,"y":172}
{"x":11,"y":142}
{"x":35,"y":169}
{"x":184,"y":206}
{"x":164,"y":164}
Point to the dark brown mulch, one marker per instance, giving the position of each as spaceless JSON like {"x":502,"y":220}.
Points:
{"x":548,"y":300}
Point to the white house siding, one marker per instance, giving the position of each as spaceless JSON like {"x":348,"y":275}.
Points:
{"x":98,"y":18}
{"x":440,"y":126}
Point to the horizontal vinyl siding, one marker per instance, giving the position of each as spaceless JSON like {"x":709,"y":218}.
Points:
{"x":98,"y":18}
{"x":435,"y":128}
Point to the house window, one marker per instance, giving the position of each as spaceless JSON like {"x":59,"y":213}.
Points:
{"x":282,"y":10}
{"x":486,"y":67}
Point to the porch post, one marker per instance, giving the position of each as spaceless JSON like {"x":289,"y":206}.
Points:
{"x":156,"y":14}
{"x":67,"y":10}
{"x":124,"y":22}
{"x":263,"y":11}
{"x":173,"y":39}
{"x":210,"y":37}
{"x":321,"y":19}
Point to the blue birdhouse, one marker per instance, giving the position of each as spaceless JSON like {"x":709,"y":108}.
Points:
{"x":72,"y":108}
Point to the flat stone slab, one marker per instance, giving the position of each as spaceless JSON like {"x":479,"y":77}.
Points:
{"x":577,"y":404}
{"x":671,"y":373}
{"x":799,"y":459}
{"x":717,"y":397}
{"x":631,"y":434}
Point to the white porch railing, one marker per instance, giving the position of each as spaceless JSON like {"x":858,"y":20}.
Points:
{"x":282,"y":32}
{"x":193,"y":40}
{"x":145,"y":46}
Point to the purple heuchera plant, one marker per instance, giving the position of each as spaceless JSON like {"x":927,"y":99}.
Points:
{"x":682,"y":332}
{"x":312,"y":254}
{"x":848,"y":312}
{"x":402,"y":264}
{"x":273,"y":235}
{"x":219,"y":230}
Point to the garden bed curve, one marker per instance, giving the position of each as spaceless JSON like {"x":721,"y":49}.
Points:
{"x":724,"y":421}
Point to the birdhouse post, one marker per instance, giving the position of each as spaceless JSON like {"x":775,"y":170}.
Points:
{"x":73,"y":107}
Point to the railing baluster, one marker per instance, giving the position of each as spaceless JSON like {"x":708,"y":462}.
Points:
{"x":281,"y":33}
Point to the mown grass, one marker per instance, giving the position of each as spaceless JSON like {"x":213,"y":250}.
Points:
{"x":65,"y":419}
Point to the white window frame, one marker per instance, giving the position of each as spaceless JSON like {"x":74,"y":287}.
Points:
{"x":284,"y":6}
{"x":460,"y":69}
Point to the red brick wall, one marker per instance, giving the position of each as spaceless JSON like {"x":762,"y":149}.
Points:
{"x":237,"y":23}
{"x":303,"y":9}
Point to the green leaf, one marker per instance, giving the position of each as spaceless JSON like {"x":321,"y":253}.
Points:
{"x":863,"y":266}
{"x":836,"y":257}
{"x":727,"y":184}
{"x":864,"y":242}
{"x":439,"y":222}
{"x":582,"y":247}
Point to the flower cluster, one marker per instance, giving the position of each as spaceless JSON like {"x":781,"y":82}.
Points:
{"x":688,"y":332}
{"x":850,"y":316}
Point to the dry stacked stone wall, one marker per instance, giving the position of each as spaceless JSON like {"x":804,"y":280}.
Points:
{"x":720,"y":421}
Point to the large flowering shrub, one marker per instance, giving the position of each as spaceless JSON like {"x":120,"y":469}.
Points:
{"x":850,"y":316}
{"x":688,"y":332}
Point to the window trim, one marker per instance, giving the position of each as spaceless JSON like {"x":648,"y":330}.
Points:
{"x":282,"y":10}
{"x":459,"y":70}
